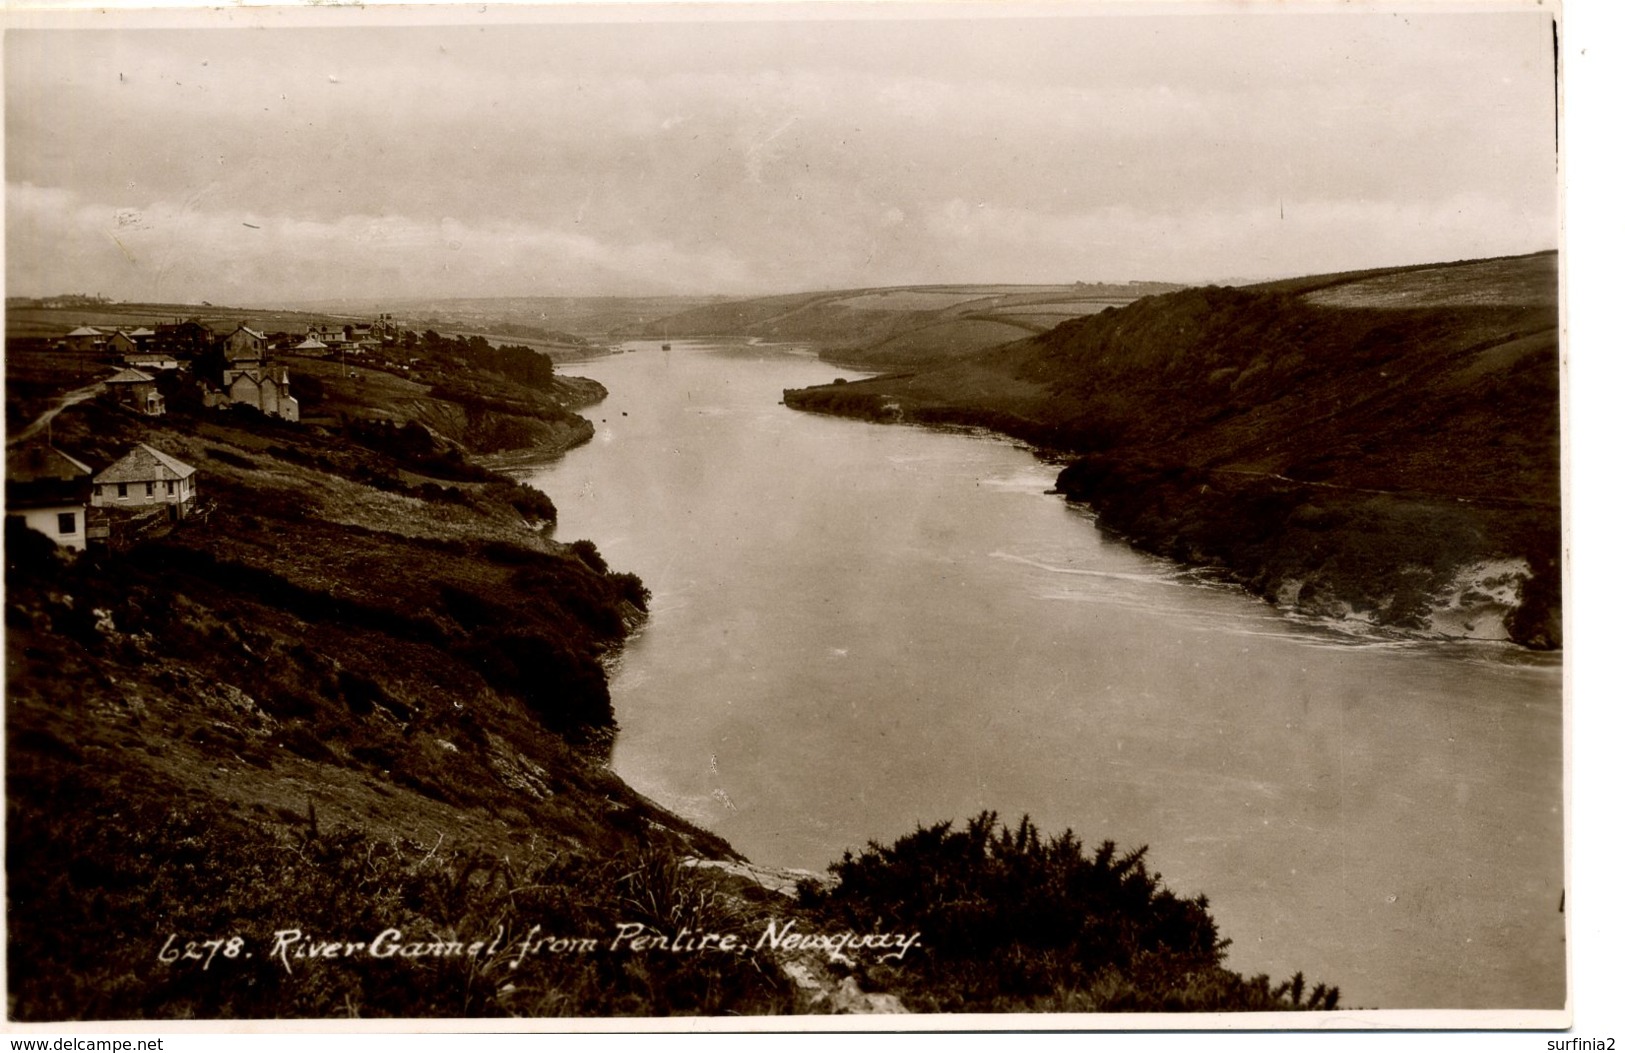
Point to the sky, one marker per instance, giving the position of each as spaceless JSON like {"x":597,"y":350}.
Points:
{"x":724,"y":151}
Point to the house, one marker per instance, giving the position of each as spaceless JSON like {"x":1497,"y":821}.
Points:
{"x":244,"y":345}
{"x":85,"y":339}
{"x":364,"y":339}
{"x":187,"y":339}
{"x":46,"y":489}
{"x":327,"y":334}
{"x":151,"y":361}
{"x":366,"y":336}
{"x":265,"y":387}
{"x":136,"y":390}
{"x":131,"y":341}
{"x":311,"y":347}
{"x":144,"y":478}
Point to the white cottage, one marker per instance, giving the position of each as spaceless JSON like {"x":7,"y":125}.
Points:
{"x":46,"y":489}
{"x":145,"y":477}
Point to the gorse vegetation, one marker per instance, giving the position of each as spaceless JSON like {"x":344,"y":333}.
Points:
{"x":1014,"y":920}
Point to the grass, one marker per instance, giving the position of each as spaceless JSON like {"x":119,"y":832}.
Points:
{"x":187,"y":874}
{"x":910,"y":299}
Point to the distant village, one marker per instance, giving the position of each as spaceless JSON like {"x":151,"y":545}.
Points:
{"x":249,"y":377}
{"x":78,"y":506}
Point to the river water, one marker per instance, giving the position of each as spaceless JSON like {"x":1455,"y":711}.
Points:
{"x":857,"y":628}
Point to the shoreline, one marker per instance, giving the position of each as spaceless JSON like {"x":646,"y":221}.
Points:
{"x":1354,"y":602}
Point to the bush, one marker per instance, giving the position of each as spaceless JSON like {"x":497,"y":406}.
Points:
{"x":587,"y":552}
{"x":1012,"y":920}
{"x":532,"y":503}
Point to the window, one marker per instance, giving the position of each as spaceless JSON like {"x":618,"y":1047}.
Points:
{"x":169,"y":486}
{"x":149,"y":489}
{"x":123,"y":490}
{"x":66,"y":522}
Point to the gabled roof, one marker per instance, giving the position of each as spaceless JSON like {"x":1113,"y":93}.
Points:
{"x":35,"y":461}
{"x":255,"y":333}
{"x":86,"y":330}
{"x":129,"y":376}
{"x":260,"y":378}
{"x":310,"y":344}
{"x":143,"y":331}
{"x":144,"y":464}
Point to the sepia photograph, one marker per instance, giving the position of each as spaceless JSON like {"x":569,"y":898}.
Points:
{"x":787,"y":517}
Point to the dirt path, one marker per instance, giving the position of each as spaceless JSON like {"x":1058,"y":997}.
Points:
{"x":71,"y":398}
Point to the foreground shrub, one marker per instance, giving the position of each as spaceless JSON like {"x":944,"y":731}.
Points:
{"x":1011,"y":920}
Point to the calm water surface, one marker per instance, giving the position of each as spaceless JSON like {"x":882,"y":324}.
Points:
{"x":857,"y":628}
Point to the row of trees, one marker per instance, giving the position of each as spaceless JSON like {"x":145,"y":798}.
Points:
{"x":520,"y":364}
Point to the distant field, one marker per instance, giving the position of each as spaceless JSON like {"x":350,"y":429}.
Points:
{"x":55,"y":322}
{"x":1067,"y":309}
{"x":1506,"y":282}
{"x":581,"y":315}
{"x":1000,"y":290}
{"x":910,"y":300}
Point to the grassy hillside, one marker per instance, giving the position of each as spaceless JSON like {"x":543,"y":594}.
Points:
{"x":351,"y":639}
{"x":1382,"y":446}
{"x":903,"y":327}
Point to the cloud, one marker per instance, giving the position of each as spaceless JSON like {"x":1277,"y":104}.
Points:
{"x":769,"y":156}
{"x":57,"y":241}
{"x":1259,"y":240}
